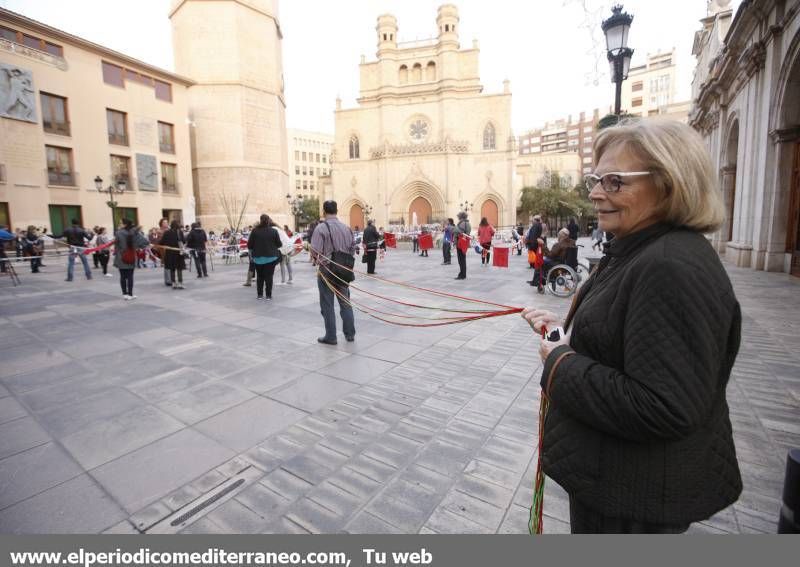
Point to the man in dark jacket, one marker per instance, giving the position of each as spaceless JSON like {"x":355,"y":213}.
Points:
{"x":196,"y":242}
{"x":77,"y":237}
{"x":534,"y":234}
{"x":371,"y":238}
{"x":573,"y":229}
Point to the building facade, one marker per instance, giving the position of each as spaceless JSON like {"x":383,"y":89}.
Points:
{"x":424,"y":138}
{"x":72,"y":111}
{"x":561,"y":136}
{"x":309,"y":161}
{"x":746,"y":104}
{"x":651,"y":86}
{"x":232,"y":51}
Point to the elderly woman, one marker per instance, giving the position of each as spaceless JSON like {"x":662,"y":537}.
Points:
{"x":638,"y":431}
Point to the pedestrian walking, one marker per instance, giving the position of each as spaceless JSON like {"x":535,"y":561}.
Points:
{"x":485,"y":234}
{"x":77,"y":237}
{"x":332,"y":236}
{"x":463,"y":228}
{"x":171,"y":241}
{"x":533,"y":237}
{"x":127,"y":240}
{"x":447,"y":242}
{"x":103,"y":255}
{"x":371,"y":239}
{"x":286,"y":250}
{"x":32,"y":248}
{"x":264,"y":244}
{"x":197,"y":242}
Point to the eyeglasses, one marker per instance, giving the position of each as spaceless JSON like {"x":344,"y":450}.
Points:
{"x":611,"y":182}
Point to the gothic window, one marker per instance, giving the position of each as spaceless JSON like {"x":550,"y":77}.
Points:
{"x":354,"y":154}
{"x":403,"y":74}
{"x":430,"y":71}
{"x":488,"y":137}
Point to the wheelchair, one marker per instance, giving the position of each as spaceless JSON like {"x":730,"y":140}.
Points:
{"x":563,"y":280}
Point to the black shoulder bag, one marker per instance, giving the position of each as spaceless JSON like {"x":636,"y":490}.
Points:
{"x":342,"y":263}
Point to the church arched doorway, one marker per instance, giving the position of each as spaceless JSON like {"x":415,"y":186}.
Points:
{"x":490,"y":211}
{"x":729,"y":180}
{"x":357,"y":217}
{"x":422,"y":207}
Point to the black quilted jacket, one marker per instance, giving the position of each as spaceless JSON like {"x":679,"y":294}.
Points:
{"x":638,"y":426}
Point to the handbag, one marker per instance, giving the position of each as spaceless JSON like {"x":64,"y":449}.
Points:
{"x":129,"y":256}
{"x":342,"y":263}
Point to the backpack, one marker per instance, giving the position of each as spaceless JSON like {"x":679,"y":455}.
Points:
{"x":342,"y":263}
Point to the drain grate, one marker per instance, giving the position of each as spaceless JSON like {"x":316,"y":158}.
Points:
{"x":204,"y":504}
{"x":207,"y":502}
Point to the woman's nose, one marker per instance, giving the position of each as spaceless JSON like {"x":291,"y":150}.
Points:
{"x":597,"y":193}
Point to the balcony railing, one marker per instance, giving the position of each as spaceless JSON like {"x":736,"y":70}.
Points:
{"x":170,"y":188}
{"x":166,"y":148}
{"x":117,"y":177}
{"x":60,"y":128}
{"x":118,"y":139}
{"x":61,"y":179}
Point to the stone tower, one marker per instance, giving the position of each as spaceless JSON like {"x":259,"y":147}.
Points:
{"x":232,"y":50}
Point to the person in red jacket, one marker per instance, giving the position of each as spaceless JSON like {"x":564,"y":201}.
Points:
{"x":485,"y":234}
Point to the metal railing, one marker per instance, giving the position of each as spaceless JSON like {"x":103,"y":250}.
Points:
{"x":118,"y":139}
{"x":60,"y":128}
{"x":61,"y":179}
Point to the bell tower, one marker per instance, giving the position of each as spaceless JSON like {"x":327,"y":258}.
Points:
{"x":232,"y":50}
{"x":447,"y":22}
{"x":387,"y":33}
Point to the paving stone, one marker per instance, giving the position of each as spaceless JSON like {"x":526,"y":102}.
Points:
{"x":232,"y":516}
{"x":286,"y":484}
{"x":444,"y":458}
{"x":33,"y":471}
{"x":371,"y":468}
{"x":355,"y":368}
{"x":266,"y":376}
{"x":77,"y":506}
{"x":204,"y":401}
{"x":244,"y":426}
{"x":147,"y":517}
{"x":312,"y":392}
{"x":315,"y":518}
{"x":335,"y":499}
{"x":147,"y":474}
{"x":162,"y":386}
{"x":397,"y":513}
{"x":263,"y":501}
{"x":355,"y":483}
{"x":391,"y":351}
{"x":366,"y":523}
{"x":105,"y":440}
{"x":477,"y":510}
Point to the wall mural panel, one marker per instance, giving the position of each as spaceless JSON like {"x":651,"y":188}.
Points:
{"x":17,"y":95}
{"x":147,"y":172}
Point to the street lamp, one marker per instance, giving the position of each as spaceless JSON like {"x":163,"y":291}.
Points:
{"x":296,"y":206}
{"x":616,"y":29}
{"x":466,"y":206}
{"x":368,"y":211}
{"x":119,"y":189}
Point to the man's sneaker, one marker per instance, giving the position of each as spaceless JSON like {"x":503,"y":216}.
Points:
{"x":174,"y":286}
{"x":259,"y":298}
{"x":109,"y":275}
{"x":245,"y":284}
{"x":131,"y":297}
{"x":268,"y":298}
{"x":180,"y":286}
{"x":126,"y":297}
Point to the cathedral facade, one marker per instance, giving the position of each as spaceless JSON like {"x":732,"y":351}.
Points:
{"x":424,"y":141}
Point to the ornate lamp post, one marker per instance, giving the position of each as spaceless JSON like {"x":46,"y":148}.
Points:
{"x":119,"y":189}
{"x":296,"y":205}
{"x":466,"y":206}
{"x":368,"y":211}
{"x":616,"y":29}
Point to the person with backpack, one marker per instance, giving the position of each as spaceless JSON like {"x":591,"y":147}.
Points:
{"x":127,"y":241}
{"x":196,"y":242}
{"x":333,"y":240}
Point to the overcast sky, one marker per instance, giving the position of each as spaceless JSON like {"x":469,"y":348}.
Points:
{"x":553,"y":51}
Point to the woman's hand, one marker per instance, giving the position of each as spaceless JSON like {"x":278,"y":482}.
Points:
{"x":546,"y":347}
{"x":538,"y":318}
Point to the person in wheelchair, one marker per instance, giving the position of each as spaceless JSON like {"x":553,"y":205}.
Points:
{"x":565,"y":251}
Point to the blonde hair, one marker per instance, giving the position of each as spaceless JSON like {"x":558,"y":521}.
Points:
{"x":680,"y":165}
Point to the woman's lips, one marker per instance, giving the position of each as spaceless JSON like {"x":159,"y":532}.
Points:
{"x":606,"y":212}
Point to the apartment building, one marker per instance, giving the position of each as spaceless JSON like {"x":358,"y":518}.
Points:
{"x":561,"y":136}
{"x":309,"y":159}
{"x":74,"y":114}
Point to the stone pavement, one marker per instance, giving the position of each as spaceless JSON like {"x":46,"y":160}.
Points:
{"x":204,"y":411}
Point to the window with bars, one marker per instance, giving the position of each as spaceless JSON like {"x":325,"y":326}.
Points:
{"x":54,"y":114}
{"x":120,"y":169}
{"x":59,"y":166}
{"x":166,"y":137}
{"x":117,"y":127}
{"x":169,"y":177}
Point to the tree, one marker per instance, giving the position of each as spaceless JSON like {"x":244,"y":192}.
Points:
{"x":310,"y":209}
{"x":612,"y":120}
{"x":234,"y":209}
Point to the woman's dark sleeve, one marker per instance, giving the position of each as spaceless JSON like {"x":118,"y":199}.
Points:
{"x":675,"y":325}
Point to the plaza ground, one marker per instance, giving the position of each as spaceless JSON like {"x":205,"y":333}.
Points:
{"x":131,"y":416}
